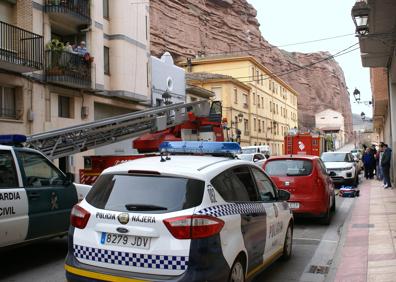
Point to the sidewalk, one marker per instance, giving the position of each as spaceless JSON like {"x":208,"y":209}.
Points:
{"x":369,"y":251}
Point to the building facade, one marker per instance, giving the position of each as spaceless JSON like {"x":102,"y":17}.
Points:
{"x":47,"y":83}
{"x":269,"y":108}
{"x":332,"y":124}
{"x":376,"y":39}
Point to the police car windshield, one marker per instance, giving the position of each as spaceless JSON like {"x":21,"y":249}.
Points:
{"x":120,"y":192}
{"x":289,"y":167}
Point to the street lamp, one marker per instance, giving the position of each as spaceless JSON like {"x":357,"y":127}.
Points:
{"x":166,"y":96}
{"x":360,"y":15}
{"x":356,"y":94}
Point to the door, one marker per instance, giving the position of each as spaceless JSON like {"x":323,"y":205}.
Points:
{"x":275,"y":222}
{"x":253,"y":224}
{"x":50,"y":198}
{"x":14,"y":219}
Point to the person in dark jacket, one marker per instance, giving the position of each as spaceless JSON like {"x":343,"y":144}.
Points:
{"x":369,"y":162}
{"x":385,"y":165}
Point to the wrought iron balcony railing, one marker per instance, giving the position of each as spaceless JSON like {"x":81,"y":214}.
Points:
{"x":20,"y":50}
{"x":68,"y":69}
{"x":80,"y":8}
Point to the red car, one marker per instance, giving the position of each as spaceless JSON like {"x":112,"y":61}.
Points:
{"x":306,"y":178}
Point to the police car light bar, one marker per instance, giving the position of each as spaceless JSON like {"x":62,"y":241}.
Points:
{"x":12,"y":139}
{"x":200,"y":147}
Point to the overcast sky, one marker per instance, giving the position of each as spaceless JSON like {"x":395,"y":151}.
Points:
{"x":289,"y":21}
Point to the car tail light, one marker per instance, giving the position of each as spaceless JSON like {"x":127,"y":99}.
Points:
{"x":79,"y":217}
{"x":193,"y":226}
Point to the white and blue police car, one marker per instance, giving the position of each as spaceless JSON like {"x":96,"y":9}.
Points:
{"x":36,"y":198}
{"x":180,"y":218}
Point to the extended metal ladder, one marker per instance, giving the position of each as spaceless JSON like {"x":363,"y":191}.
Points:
{"x":75,"y":139}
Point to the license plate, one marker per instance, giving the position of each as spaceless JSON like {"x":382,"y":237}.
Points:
{"x":294,"y":205}
{"x":139,"y":242}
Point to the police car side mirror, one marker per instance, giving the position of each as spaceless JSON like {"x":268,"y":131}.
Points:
{"x":69,"y":178}
{"x":283,"y":195}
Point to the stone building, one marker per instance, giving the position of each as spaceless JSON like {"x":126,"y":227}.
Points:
{"x":258,"y":103}
{"x":332,"y":124}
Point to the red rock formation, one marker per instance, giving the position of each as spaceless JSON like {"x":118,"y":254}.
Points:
{"x":190,"y":27}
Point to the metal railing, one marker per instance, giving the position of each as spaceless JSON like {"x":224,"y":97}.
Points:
{"x":67,"y":68}
{"x":77,"y":7}
{"x":22,"y":47}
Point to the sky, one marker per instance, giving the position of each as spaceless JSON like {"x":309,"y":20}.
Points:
{"x":285,"y":22}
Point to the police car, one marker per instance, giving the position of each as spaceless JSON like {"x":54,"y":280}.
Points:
{"x":180,"y":218}
{"x":35,"y":196}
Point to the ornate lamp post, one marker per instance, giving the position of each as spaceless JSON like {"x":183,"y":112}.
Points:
{"x":360,"y":15}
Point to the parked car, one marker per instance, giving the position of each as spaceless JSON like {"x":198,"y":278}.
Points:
{"x":35,"y":196}
{"x":257,"y":158}
{"x":305,"y":177}
{"x":180,"y":218}
{"x":342,"y":167}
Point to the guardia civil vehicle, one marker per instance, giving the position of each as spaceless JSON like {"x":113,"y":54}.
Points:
{"x":35,"y":196}
{"x":195,"y":213}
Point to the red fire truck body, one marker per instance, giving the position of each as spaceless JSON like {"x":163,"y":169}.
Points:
{"x":208,"y":128}
{"x":304,"y":144}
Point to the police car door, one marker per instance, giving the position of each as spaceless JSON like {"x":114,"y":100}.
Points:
{"x":50,"y":198}
{"x":253,"y":217}
{"x":275,"y":218}
{"x":13,"y":202}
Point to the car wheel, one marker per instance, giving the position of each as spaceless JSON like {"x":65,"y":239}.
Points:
{"x":237,"y":273}
{"x":288,"y":245}
{"x":333,"y":206}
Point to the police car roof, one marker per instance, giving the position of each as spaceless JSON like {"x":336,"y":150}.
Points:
{"x":200,"y":167}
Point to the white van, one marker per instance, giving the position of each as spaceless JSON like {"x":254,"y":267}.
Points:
{"x":264,"y":149}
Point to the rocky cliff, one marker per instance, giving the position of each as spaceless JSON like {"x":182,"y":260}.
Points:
{"x":186,"y":28}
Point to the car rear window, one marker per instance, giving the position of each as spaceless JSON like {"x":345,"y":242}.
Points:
{"x":147,"y":194}
{"x":289,"y":167}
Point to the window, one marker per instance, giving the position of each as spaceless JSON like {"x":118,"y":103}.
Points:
{"x":117,"y":192}
{"x":269,"y":84}
{"x":246,"y":126}
{"x":264,"y":185}
{"x":258,"y":101}
{"x":262,"y":79}
{"x":39,"y":172}
{"x":106,"y":9}
{"x":235,"y":96}
{"x":252,"y":73}
{"x":236,"y":185}
{"x":257,"y":76}
{"x":245,"y":100}
{"x":262,"y":102}
{"x":254,"y":124}
{"x":259,"y":125}
{"x":64,"y":107}
{"x":254,"y":98}
{"x":289,"y":167}
{"x":8,"y":176}
{"x":7,"y":102}
{"x":106,"y":60}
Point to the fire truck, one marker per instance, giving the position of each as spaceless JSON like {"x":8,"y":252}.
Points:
{"x":305,"y":144}
{"x":200,"y":121}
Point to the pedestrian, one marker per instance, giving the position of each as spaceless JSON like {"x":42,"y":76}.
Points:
{"x":81,"y":49}
{"x":385,"y":165}
{"x":374,"y":152}
{"x":368,"y":161}
{"x":378,"y":158}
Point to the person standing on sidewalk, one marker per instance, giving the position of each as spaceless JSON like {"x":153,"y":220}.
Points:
{"x":385,"y":165}
{"x":369,"y":162}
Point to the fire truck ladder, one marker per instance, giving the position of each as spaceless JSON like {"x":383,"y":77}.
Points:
{"x":75,"y":139}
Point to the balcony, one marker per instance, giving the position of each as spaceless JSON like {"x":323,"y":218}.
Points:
{"x":68,"y":16}
{"x":21,"y":51}
{"x":67,"y":69}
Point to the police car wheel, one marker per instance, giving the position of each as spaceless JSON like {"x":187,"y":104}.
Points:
{"x":237,"y":273}
{"x":288,"y":245}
